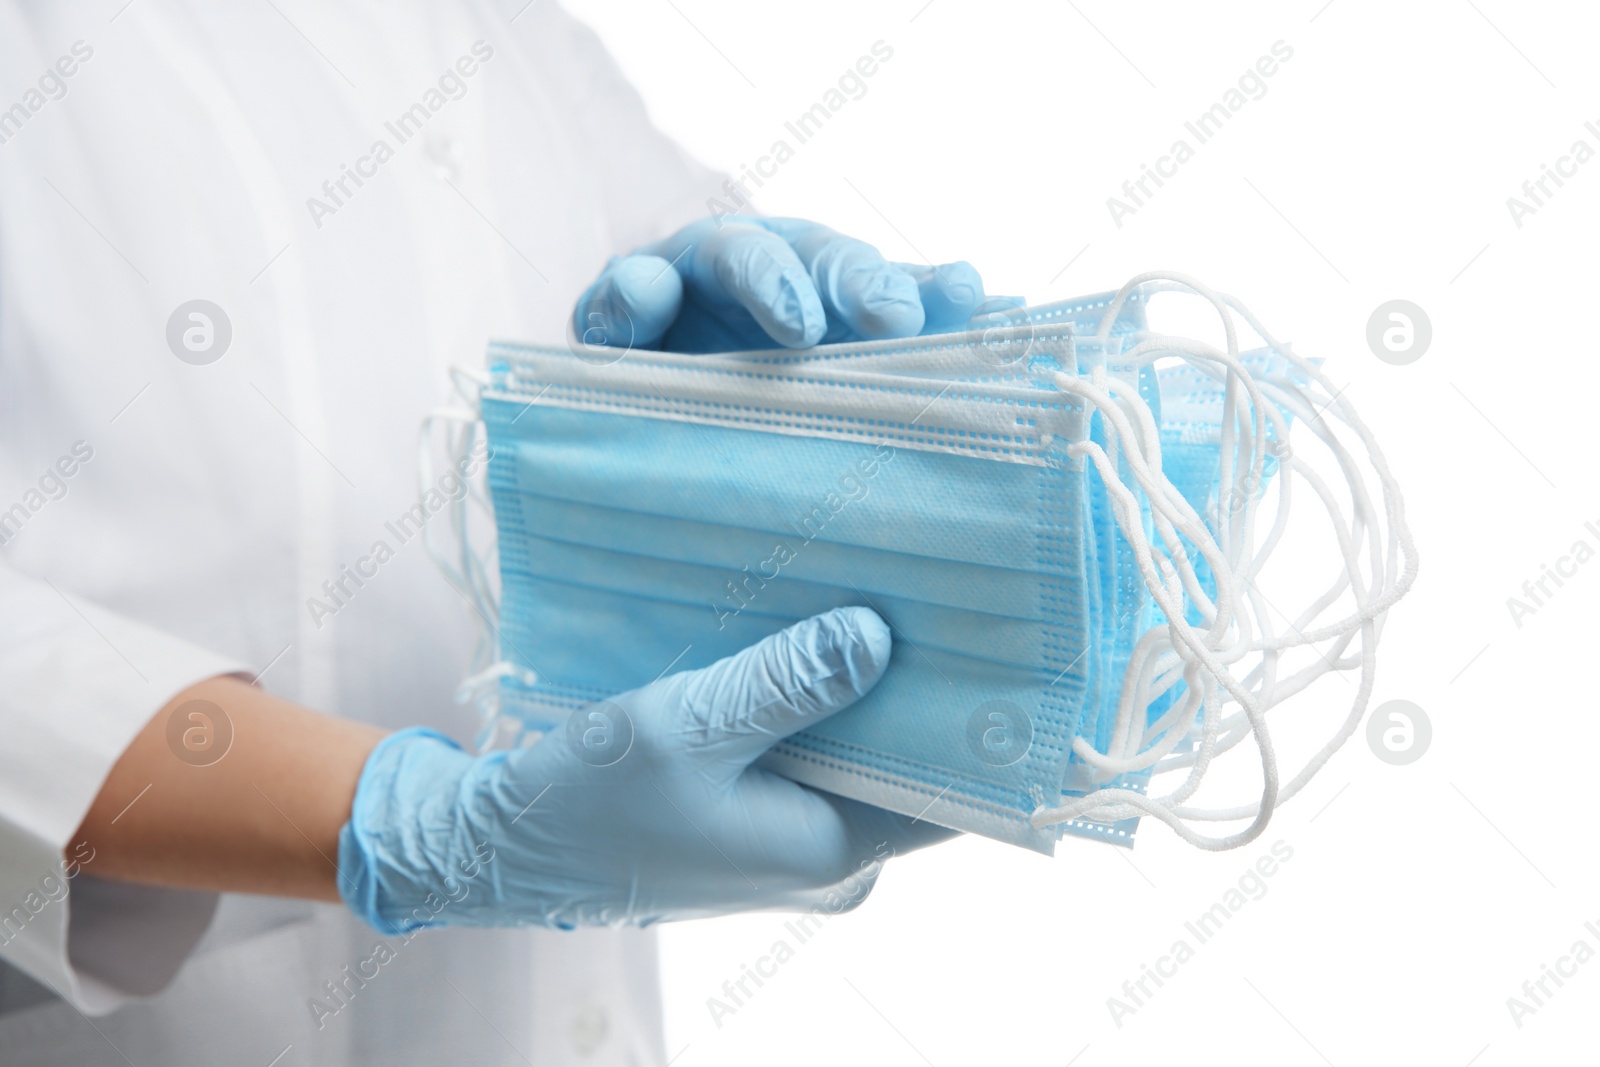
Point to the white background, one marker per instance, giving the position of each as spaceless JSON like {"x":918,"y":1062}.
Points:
{"x":1377,"y":166}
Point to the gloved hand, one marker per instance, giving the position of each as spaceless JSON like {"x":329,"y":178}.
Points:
{"x":753,"y":282}
{"x":644,"y":808}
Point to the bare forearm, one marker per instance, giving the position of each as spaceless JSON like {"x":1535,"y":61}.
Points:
{"x":262,"y":818}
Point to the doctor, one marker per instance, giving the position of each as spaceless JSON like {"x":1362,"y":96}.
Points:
{"x":240,"y":245}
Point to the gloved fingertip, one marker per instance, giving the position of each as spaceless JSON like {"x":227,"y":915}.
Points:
{"x":830,"y":661}
{"x":647,"y":292}
{"x":785,"y":682}
{"x":951,"y":292}
{"x":885,"y":304}
{"x":648,"y":280}
{"x":867,"y":645}
{"x":753,"y":267}
{"x":788,"y":308}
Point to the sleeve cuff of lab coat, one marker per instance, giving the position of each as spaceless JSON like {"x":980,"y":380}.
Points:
{"x":77,"y":683}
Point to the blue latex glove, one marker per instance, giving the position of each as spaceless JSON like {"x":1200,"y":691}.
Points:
{"x":676,"y":824}
{"x":753,"y":282}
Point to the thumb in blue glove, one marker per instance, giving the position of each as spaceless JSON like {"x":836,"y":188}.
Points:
{"x":645,"y":807}
{"x":721,"y":286}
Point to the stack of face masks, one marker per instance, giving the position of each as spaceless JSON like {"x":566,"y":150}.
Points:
{"x":1060,"y":514}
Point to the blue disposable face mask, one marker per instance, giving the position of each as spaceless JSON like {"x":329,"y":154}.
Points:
{"x":1059,"y":532}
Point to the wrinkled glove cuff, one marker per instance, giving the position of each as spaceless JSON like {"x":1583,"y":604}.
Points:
{"x":381,"y":851}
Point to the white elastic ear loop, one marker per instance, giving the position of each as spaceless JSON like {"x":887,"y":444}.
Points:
{"x":1168,"y":280}
{"x":1369,"y":613}
{"x":1394,"y":503}
{"x":1135,"y":538}
{"x":1363,"y":518}
{"x":1139,"y":686}
{"x":467,"y":572}
{"x":1165,"y":505}
{"x":1232,"y":534}
{"x":1165,"y":490}
{"x":1165,"y":746}
{"x":1215,"y":672}
{"x":1189,"y":641}
{"x":1368,"y":624}
{"x":1149,"y":445}
{"x":1275,"y":691}
{"x":462,"y":566}
{"x":1352,"y":567}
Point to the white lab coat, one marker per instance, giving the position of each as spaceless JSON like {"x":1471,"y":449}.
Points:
{"x":207,"y":503}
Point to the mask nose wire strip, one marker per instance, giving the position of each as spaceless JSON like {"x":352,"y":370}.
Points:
{"x":1148,"y":677}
